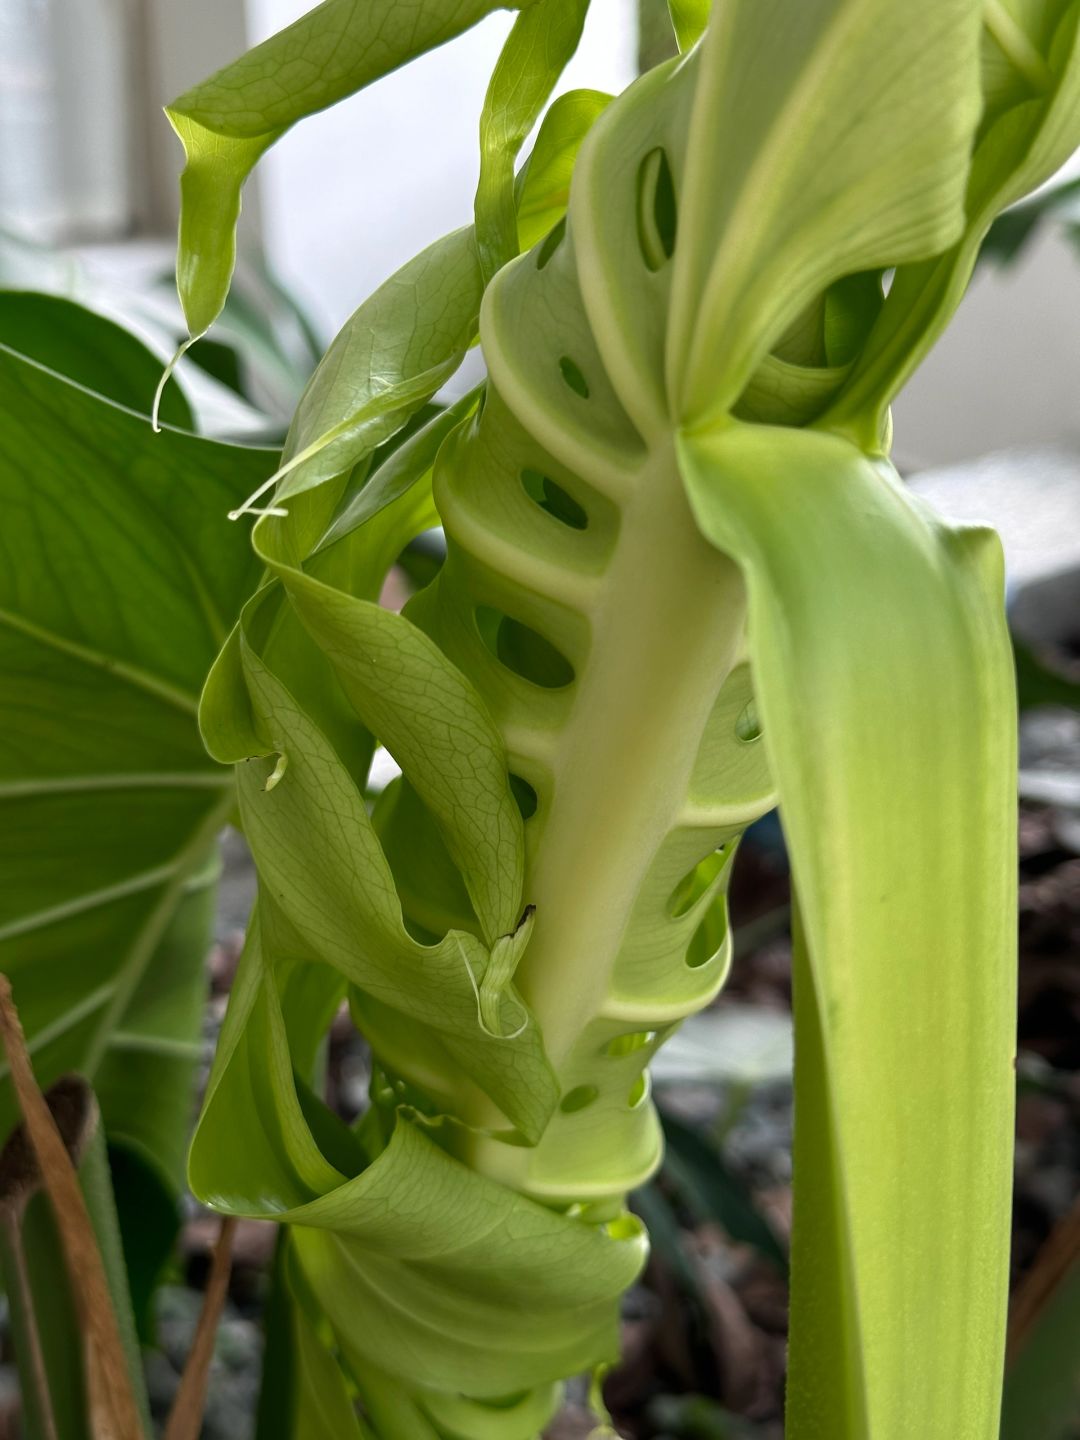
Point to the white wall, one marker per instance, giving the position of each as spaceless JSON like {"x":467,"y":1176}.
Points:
{"x":1007,"y":371}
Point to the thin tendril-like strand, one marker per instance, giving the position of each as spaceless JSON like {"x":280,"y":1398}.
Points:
{"x":166,"y":376}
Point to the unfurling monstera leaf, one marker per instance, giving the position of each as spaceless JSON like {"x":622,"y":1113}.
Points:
{"x":683,"y":584}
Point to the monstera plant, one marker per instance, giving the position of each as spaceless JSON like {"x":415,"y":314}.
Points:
{"x":683,"y":584}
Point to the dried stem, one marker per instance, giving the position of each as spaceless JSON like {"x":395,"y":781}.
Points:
{"x":114,"y":1414}
{"x":185,"y":1417}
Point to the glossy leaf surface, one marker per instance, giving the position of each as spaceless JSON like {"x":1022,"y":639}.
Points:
{"x":110,"y":806}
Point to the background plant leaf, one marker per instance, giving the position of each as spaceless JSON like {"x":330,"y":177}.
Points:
{"x":699,"y":1172}
{"x":119,"y":576}
{"x":89,"y":349}
{"x":1042,"y":1383}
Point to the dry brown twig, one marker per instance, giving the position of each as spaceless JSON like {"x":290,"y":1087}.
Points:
{"x":185,"y":1417}
{"x":114,"y":1413}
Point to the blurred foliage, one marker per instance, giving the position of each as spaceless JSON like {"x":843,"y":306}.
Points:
{"x":1038,"y":684}
{"x":711,"y":1191}
{"x":1042,"y":1383}
{"x":1056,"y":204}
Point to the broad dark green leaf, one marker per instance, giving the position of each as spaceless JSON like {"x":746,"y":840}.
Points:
{"x":119,"y":577}
{"x":90,"y":350}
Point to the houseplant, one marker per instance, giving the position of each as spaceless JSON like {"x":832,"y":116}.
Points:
{"x":683,"y":583}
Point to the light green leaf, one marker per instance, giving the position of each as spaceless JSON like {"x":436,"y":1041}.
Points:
{"x":544,"y":180}
{"x":416,"y":1224}
{"x":411,"y":335}
{"x":884,"y":682}
{"x":783,"y":192}
{"x":387,"y":361}
{"x":316,"y":808}
{"x":402,"y":485}
{"x":1020,"y":145}
{"x":542,"y":41}
{"x":227,"y":122}
{"x":304,"y":1393}
{"x":109,"y":807}
{"x":688,"y":20}
{"x":434,"y":724}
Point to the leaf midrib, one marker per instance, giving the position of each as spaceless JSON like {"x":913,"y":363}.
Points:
{"x":135,"y":675}
{"x":207,"y":779}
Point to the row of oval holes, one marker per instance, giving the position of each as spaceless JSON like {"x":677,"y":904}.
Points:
{"x":583,"y":1095}
{"x":701,"y":949}
{"x":521,"y":649}
{"x":524,"y":650}
{"x":657,"y":221}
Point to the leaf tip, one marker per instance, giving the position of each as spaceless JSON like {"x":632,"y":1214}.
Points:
{"x":166,"y":376}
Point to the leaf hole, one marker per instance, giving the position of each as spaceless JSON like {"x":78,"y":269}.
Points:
{"x":638,"y":1091}
{"x":627,"y":1044}
{"x":553,"y":499}
{"x":578,"y":1098}
{"x":522,"y":650}
{"x":657,"y":214}
{"x":694,"y":884}
{"x":572,"y":374}
{"x":524,"y":795}
{"x":748,"y":725}
{"x":550,"y":243}
{"x":708,"y":938}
